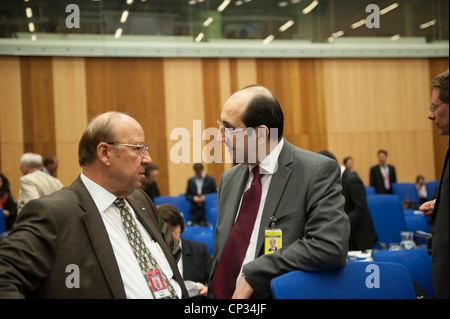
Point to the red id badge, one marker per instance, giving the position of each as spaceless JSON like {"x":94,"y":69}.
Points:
{"x":157,"y":284}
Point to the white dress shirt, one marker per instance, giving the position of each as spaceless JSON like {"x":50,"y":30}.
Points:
{"x":199,"y":183}
{"x":267,"y":168}
{"x":180,"y":262}
{"x":134,"y":282}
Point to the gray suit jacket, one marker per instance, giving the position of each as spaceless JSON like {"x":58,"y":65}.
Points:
{"x":65,"y":228}
{"x":305,"y":198}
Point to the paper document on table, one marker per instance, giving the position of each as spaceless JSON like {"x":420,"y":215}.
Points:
{"x":191,"y":287}
{"x":360,"y":254}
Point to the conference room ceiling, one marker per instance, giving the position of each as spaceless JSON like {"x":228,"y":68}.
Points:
{"x":240,"y":19}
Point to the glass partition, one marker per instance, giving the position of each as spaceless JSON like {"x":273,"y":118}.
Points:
{"x":265,"y":22}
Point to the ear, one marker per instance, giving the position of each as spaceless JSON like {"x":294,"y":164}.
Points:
{"x":104,"y":153}
{"x":263,"y":134}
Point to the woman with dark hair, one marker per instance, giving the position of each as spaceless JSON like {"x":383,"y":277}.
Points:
{"x":149,"y":184}
{"x":7,"y":203}
{"x":195,"y":263}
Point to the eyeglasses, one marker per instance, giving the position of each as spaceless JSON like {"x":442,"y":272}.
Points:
{"x":433,"y":107}
{"x":141,"y":148}
{"x":229,"y":130}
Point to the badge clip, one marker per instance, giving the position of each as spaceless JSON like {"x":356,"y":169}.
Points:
{"x":273,"y":221}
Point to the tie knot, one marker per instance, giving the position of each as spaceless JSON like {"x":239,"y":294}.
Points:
{"x":120,"y":203}
{"x":255,"y":171}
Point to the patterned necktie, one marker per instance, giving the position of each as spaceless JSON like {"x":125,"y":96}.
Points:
{"x":233,"y":254}
{"x":144,"y":258}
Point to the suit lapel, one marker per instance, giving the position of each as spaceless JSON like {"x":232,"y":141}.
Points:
{"x":276,"y":189}
{"x":100,"y":239}
{"x":439,"y":187}
{"x":188,"y":269}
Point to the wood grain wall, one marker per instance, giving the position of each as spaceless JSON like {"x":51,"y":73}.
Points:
{"x":352,"y":107}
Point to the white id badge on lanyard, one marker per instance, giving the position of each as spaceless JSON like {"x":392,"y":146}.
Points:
{"x":273,"y":238}
{"x":157,"y":284}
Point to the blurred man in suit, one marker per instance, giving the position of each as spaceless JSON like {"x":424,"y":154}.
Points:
{"x":438,"y":208}
{"x":383,"y":175}
{"x":35,"y":183}
{"x":197,"y":186}
{"x":362,"y":233}
{"x":51,"y":164}
{"x":294,"y":192}
{"x":75,"y":243}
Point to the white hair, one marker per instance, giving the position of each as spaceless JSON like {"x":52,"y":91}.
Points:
{"x":31,"y":160}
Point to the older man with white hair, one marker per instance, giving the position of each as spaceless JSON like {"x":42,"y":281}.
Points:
{"x":34,"y":183}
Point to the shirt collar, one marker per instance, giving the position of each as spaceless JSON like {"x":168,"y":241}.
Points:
{"x":102,"y":198}
{"x":203,"y":176}
{"x":269,"y":164}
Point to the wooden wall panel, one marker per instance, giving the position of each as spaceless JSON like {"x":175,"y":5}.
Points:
{"x":70,"y":103}
{"x":293,"y":82}
{"x":245,"y":73}
{"x":135,"y":86}
{"x":37,"y":105}
{"x":349,"y":106}
{"x":11,"y":130}
{"x":379,"y":104}
{"x":216,"y":90}
{"x":183,"y":89}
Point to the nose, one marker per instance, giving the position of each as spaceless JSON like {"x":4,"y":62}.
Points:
{"x":431,"y":116}
{"x":146,"y":159}
{"x":220,"y":136}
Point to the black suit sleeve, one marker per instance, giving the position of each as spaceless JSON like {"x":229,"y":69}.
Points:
{"x":372,"y":177}
{"x":209,"y":185}
{"x":357,"y":195}
{"x":191,"y":191}
{"x":11,"y":206}
{"x":394,"y":175}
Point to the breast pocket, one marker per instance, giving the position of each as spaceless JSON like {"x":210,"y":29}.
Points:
{"x":286,"y":218}
{"x":291,"y":225}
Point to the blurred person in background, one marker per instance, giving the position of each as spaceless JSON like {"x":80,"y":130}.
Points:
{"x":438,"y":208}
{"x":7,"y":203}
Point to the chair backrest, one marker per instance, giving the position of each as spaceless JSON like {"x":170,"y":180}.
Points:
{"x":211,"y":216}
{"x":417,"y":222}
{"x":388,"y":217}
{"x":357,"y":280}
{"x":2,"y":222}
{"x":207,"y":238}
{"x":190,"y":231}
{"x":431,"y":187}
{"x":406,"y":191}
{"x":173,"y":200}
{"x":183,"y":207}
{"x":179,"y":202}
{"x":370,"y":190}
{"x":210,"y":201}
{"x":418,"y":263}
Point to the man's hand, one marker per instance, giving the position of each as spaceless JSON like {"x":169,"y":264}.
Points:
{"x":199,"y":199}
{"x":202,"y":289}
{"x":427,"y":208}
{"x":243,"y":290}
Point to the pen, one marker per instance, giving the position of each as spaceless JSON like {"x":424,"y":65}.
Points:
{"x":155,"y":245}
